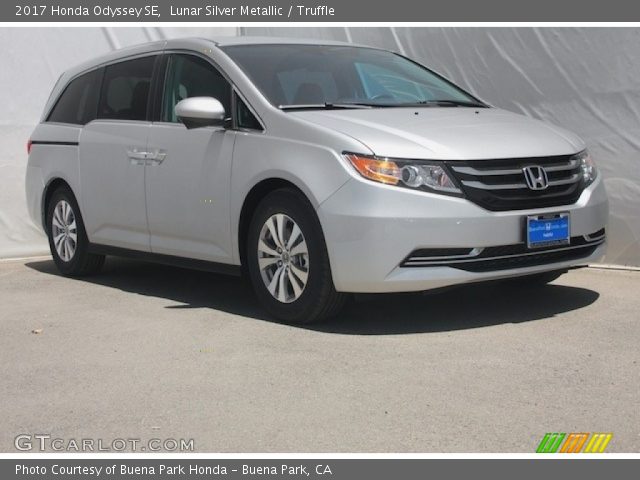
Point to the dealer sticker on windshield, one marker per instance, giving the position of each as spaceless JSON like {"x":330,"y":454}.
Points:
{"x":548,"y":230}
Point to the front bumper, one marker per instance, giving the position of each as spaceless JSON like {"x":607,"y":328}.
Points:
{"x":370,"y":230}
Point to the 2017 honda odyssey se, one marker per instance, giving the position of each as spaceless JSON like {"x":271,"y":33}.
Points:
{"x":318,"y":168}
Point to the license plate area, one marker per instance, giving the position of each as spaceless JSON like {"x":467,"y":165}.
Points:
{"x":548,"y":230}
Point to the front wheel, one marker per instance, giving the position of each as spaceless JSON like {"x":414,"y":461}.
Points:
{"x":288,"y":261}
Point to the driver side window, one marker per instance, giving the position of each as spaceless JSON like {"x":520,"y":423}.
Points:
{"x":191,"y":76}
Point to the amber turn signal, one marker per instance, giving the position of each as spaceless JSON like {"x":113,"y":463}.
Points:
{"x":379,"y":170}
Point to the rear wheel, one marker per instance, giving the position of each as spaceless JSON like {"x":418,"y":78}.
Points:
{"x":67,"y":237}
{"x":288,"y":262}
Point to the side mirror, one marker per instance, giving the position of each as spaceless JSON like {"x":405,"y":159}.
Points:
{"x":196,"y":112}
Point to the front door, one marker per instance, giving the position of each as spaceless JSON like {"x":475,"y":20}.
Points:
{"x":188,"y":172}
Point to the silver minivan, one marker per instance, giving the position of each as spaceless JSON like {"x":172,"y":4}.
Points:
{"x":316,"y":168}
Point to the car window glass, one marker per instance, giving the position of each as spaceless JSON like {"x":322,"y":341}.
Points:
{"x":78,"y":102}
{"x":290,"y":75}
{"x":246,"y":119}
{"x":125,"y":90}
{"x":307,"y":86}
{"x":191,"y":76}
{"x":401,"y":85}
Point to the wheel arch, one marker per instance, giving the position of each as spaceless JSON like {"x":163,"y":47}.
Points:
{"x":251,"y":201}
{"x":51,"y":186}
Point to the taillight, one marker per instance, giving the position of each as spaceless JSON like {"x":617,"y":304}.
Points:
{"x":29,"y":143}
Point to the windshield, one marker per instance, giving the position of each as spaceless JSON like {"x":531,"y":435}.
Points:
{"x":321,"y":76}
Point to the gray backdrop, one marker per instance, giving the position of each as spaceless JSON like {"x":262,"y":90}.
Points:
{"x":584,"y":79}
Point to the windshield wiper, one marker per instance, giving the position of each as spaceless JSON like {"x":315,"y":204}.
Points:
{"x":324,"y":106}
{"x":347,"y":105}
{"x":449,"y":103}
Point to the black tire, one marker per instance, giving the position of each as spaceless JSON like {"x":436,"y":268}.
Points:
{"x":82,"y":262}
{"x":319,"y":299}
{"x":536,"y":279}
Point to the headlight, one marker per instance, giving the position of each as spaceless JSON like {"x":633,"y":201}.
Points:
{"x":415,"y":174}
{"x":587,"y":167}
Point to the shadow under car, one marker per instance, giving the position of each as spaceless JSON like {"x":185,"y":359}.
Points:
{"x":461,"y":307}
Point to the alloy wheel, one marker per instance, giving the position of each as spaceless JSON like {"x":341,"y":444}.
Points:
{"x":283,"y":258}
{"x":64,"y":230}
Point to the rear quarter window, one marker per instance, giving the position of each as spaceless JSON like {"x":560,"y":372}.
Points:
{"x":79,"y":101}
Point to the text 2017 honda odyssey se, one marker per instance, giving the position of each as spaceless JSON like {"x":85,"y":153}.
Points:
{"x":318,"y":168}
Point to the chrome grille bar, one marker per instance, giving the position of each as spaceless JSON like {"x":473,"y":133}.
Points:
{"x":572,"y":164}
{"x":414,"y":261}
{"x":515,"y":186}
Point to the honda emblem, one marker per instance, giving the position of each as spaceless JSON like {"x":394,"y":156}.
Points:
{"x":536,"y":177}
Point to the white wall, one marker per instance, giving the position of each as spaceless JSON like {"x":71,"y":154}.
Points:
{"x":586,"y":80}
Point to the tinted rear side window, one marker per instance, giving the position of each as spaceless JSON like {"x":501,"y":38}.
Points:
{"x":79,"y":101}
{"x":125,"y":89}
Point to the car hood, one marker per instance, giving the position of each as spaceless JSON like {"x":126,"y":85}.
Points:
{"x":451,"y":133}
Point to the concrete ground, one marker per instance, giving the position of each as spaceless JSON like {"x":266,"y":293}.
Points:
{"x":147,"y":351}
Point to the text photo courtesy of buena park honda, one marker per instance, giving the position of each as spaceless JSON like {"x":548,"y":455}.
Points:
{"x":320,"y":239}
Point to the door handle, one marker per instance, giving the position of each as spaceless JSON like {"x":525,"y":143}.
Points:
{"x":156,"y":157}
{"x":137,"y":156}
{"x":142,"y":157}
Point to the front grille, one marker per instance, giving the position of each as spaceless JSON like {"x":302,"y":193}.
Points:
{"x":500,"y":185}
{"x":503,"y":257}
